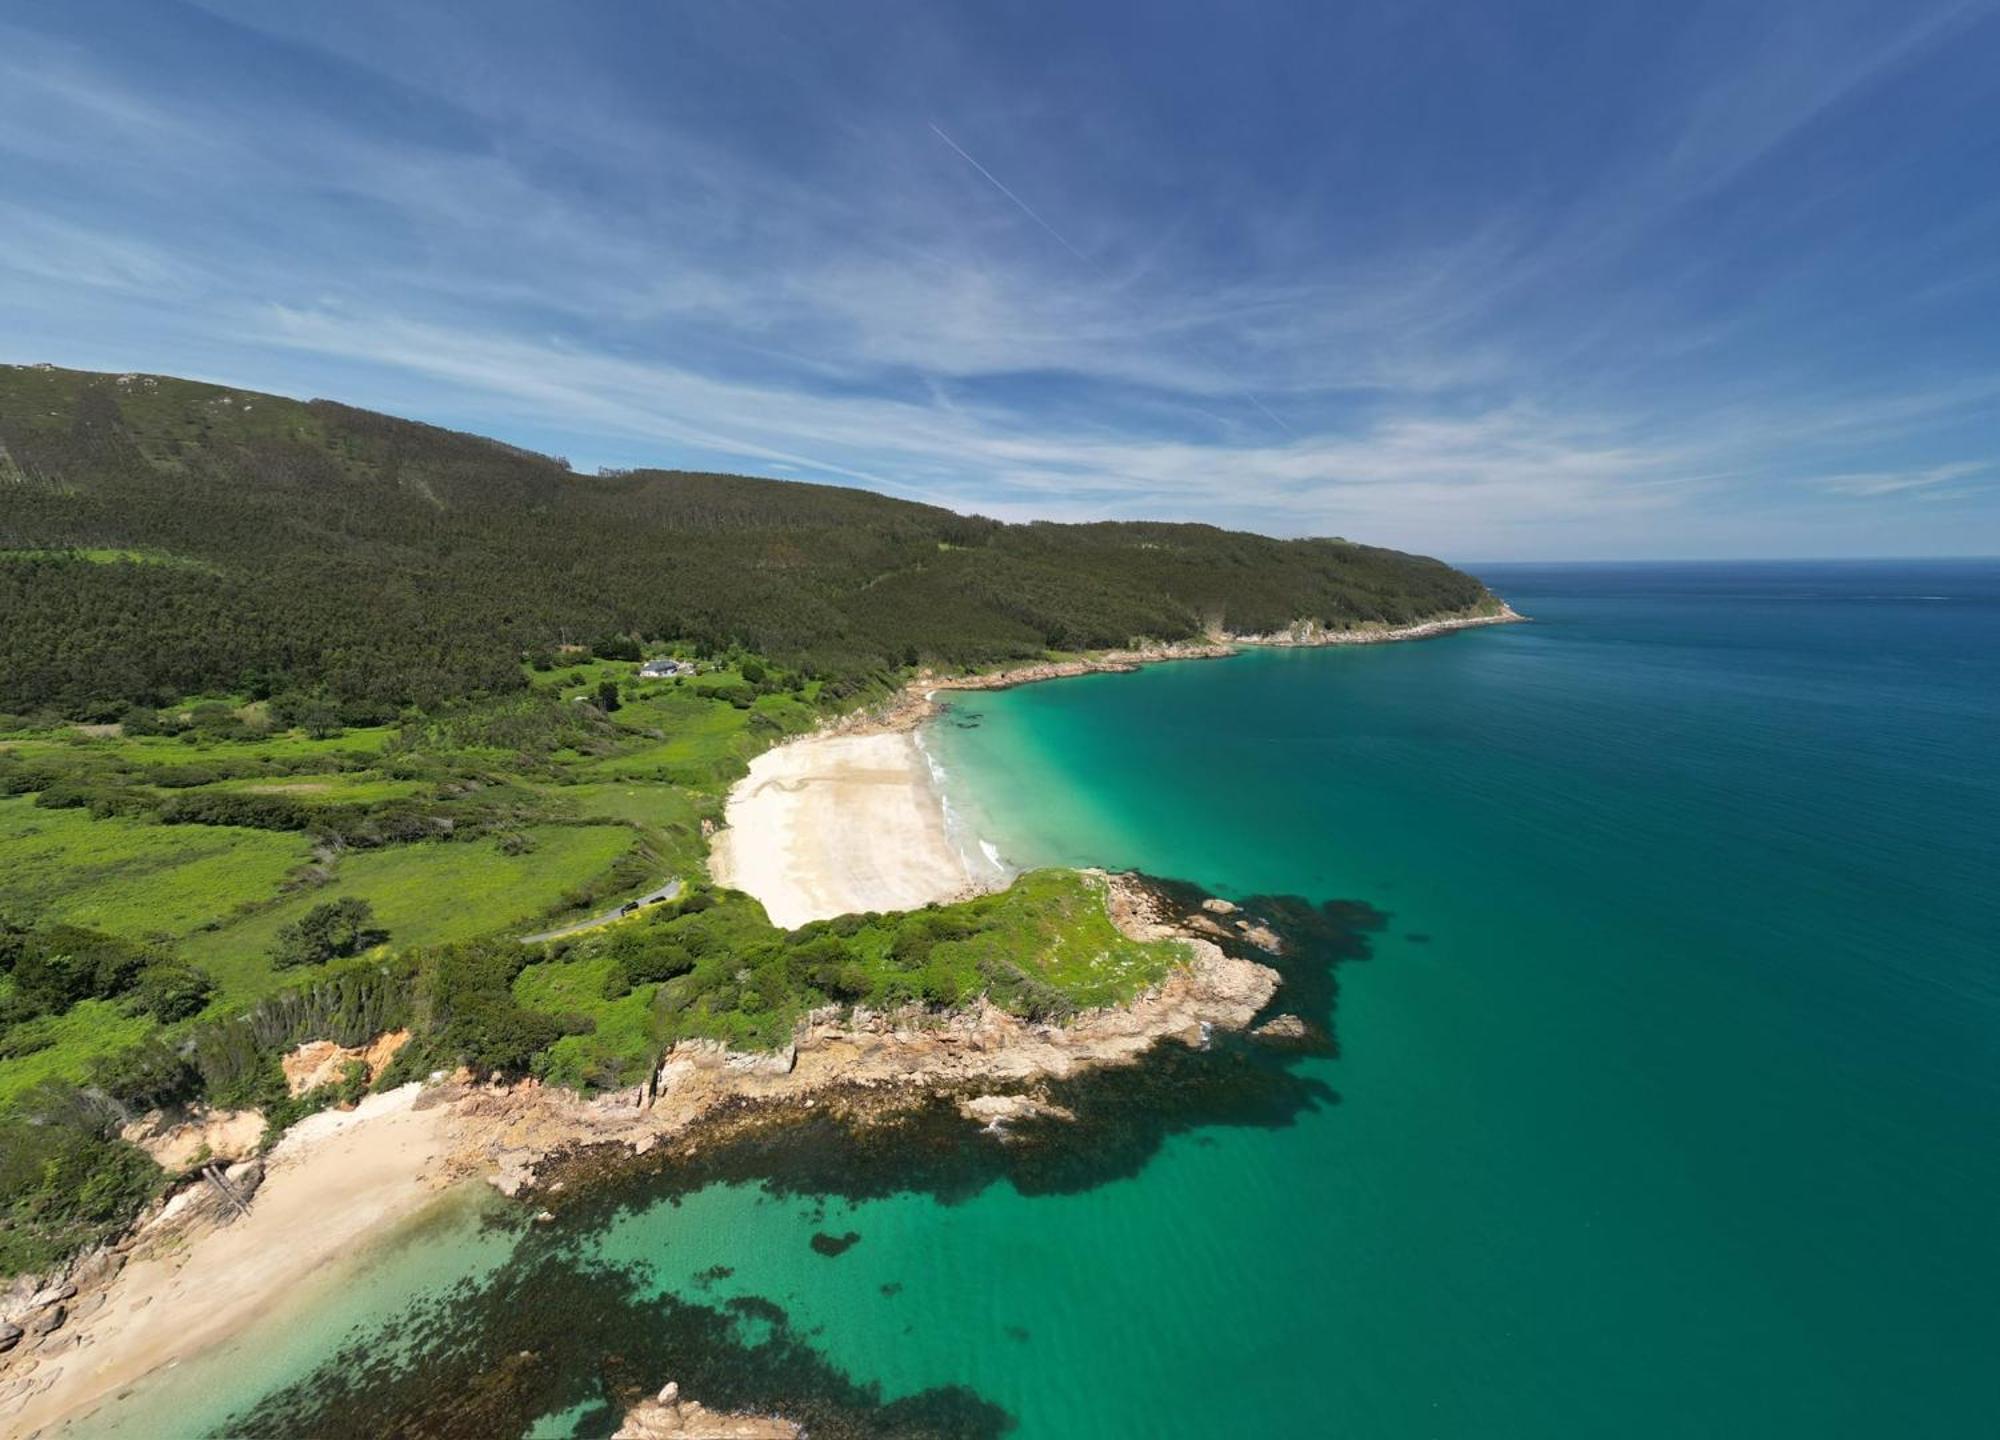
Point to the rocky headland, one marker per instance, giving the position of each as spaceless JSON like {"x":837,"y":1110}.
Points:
{"x":218,"y":1253}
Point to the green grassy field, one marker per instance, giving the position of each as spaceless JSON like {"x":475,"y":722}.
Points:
{"x":337,"y":789}
{"x":113,"y":557}
{"x":423,"y":894}
{"x":567,"y":816}
{"x":134,"y":878}
{"x":88,"y":1029}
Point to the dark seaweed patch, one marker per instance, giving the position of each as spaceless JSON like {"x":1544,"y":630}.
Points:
{"x":832,"y":1245}
{"x":554,"y":1330}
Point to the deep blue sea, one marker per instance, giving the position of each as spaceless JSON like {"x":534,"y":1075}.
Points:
{"x":1666,"y":1100}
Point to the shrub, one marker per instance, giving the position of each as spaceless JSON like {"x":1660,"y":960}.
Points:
{"x":142,"y":1076}
{"x":66,"y":1182}
{"x":56,"y":967}
{"x":326,"y":932}
{"x":171,"y":990}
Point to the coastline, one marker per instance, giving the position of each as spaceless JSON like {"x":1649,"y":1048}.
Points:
{"x":340,"y":1180}
{"x":184,"y":1280}
{"x":911,"y":706}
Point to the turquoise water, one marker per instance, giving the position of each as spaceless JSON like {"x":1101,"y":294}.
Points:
{"x":1669,"y":1093}
{"x":1666,"y":1094}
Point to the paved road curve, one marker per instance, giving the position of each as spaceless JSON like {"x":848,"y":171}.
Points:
{"x":667,"y":891}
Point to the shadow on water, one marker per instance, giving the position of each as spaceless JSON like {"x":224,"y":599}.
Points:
{"x":557,"y":1330}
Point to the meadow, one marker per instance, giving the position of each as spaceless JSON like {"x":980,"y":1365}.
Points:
{"x":485,"y":819}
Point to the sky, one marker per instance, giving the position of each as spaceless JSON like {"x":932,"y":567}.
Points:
{"x":1487,"y":280}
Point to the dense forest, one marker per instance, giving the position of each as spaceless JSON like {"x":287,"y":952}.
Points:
{"x":161,"y":538}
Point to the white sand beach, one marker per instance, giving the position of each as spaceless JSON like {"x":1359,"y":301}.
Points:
{"x":833,"y":824}
{"x":337,"y":1179}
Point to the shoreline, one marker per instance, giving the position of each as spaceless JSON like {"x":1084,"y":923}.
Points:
{"x":340,"y":1180}
{"x":837,"y":824}
{"x":191,"y":1277}
{"x":912,"y":705}
{"x":184,"y":1280}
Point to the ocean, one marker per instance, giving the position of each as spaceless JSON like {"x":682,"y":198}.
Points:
{"x":1656,"y":941}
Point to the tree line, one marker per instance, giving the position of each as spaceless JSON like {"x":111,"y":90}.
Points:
{"x":366,"y":564}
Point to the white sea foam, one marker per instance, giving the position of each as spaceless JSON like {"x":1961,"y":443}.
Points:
{"x":980,"y":857}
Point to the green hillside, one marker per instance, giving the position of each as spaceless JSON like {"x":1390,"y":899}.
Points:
{"x":161,"y":539}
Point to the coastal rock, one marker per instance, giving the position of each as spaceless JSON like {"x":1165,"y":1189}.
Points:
{"x":995,"y":1113}
{"x":771,"y":1062}
{"x":96,"y":1268}
{"x":48,"y":1320}
{"x":1308,"y":633}
{"x":1216,"y":905}
{"x":322,"y":1062}
{"x":41,"y":1299}
{"x":1262,"y":936}
{"x":1289,"y":1032}
{"x":668,"y":1417}
{"x":180,"y":1137}
{"x":10,"y":1335}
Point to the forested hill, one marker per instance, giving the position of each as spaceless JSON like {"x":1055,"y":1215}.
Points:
{"x":161,"y":538}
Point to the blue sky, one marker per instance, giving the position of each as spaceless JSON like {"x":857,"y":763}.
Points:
{"x":1488,"y":280}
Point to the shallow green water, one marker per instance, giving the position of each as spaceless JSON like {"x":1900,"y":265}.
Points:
{"x":1666,"y":1096}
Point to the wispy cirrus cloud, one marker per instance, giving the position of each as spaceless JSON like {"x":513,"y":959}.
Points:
{"x":1902,"y":482}
{"x":1651,"y":306}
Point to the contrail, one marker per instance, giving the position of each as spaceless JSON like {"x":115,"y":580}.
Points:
{"x":1028,"y":210}
{"x":1025,"y":208}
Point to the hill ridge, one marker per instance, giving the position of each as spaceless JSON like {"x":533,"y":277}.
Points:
{"x":388,"y":562}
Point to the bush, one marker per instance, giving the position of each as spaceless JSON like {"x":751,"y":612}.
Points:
{"x":326,"y":932}
{"x":464,"y":1006}
{"x":171,"y":990}
{"x":56,"y":967}
{"x":66,"y":1182}
{"x":148,"y":1074}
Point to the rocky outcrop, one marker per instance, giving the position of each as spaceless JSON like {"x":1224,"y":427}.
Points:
{"x":1311,"y":632}
{"x":996,"y":1114}
{"x":1289,"y":1032}
{"x":668,"y":1417}
{"x":980,"y":1052}
{"x":183,"y":1136}
{"x":321,"y":1062}
{"x":29,"y":1315}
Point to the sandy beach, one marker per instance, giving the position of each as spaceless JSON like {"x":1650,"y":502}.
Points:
{"x":833,"y":824}
{"x":337,"y":1179}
